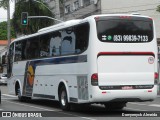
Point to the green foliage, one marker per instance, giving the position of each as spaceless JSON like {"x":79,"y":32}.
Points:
{"x":34,"y":9}
{"x":158,"y":8}
{"x":3,"y":31}
{"x":3,"y":3}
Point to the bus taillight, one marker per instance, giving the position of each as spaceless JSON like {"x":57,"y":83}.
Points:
{"x":94,"y":79}
{"x":156,"y":78}
{"x":125,"y":17}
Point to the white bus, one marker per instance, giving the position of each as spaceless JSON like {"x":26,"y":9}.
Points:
{"x":106,"y":59}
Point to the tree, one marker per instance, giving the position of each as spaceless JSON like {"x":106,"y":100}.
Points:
{"x":158,"y":8}
{"x":34,"y":9}
{"x":3,"y":31}
{"x":3,"y":3}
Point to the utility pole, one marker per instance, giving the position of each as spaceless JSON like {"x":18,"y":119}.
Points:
{"x":8,"y":23}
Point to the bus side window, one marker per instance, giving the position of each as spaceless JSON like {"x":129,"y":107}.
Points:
{"x":26,"y":51}
{"x":68,"y":41}
{"x":18,"y":51}
{"x":10,"y":60}
{"x":32,"y":48}
{"x":55,"y":44}
{"x":82,"y":37}
{"x":44,"y":45}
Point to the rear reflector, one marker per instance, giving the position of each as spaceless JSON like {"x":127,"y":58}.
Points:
{"x":104,"y":92}
{"x":149,"y":90}
{"x":94,"y":79}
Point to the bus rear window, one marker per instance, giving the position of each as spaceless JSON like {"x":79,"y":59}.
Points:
{"x":125,"y":30}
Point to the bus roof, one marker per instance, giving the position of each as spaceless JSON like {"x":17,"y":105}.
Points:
{"x":60,"y":25}
{"x":132,"y":14}
{"x":72,"y":22}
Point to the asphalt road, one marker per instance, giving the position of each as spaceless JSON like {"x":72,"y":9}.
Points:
{"x":50,"y":110}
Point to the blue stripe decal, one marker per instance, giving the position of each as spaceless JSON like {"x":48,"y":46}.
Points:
{"x":61,"y":60}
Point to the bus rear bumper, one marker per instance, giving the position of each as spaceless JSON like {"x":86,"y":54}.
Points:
{"x":134,"y":95}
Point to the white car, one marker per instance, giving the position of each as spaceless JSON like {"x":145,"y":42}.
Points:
{"x":3,"y":78}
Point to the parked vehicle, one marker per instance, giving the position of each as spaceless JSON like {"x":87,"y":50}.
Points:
{"x":3,"y":78}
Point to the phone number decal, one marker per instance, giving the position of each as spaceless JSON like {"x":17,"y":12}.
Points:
{"x":130,"y":38}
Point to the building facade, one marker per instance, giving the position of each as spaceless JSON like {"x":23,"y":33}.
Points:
{"x":81,"y":8}
{"x":71,"y":9}
{"x":54,"y":7}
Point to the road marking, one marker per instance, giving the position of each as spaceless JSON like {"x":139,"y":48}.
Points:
{"x":134,"y":109}
{"x":155,"y":105}
{"x":8,"y":99}
{"x":50,"y":110}
{"x":29,"y":106}
{"x":9,"y":95}
{"x":152,"y":105}
{"x":136,"y":103}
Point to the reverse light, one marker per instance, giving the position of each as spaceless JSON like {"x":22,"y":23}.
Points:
{"x":94,"y":79}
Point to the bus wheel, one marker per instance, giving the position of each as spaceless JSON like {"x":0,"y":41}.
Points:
{"x":63,"y":99}
{"x":20,"y":97}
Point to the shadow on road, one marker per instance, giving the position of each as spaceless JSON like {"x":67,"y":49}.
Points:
{"x":94,"y":110}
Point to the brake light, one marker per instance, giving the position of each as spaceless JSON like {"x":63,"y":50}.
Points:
{"x":156,"y":76}
{"x":125,"y":17}
{"x":94,"y":79}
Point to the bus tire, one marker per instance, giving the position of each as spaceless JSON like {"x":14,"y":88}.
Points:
{"x":63,"y":99}
{"x":22,"y":98}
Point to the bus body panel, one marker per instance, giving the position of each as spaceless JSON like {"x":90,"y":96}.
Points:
{"x":123,"y":95}
{"x":122,"y":73}
{"x":46,"y":83}
{"x":17,"y":76}
{"x":125,"y":70}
